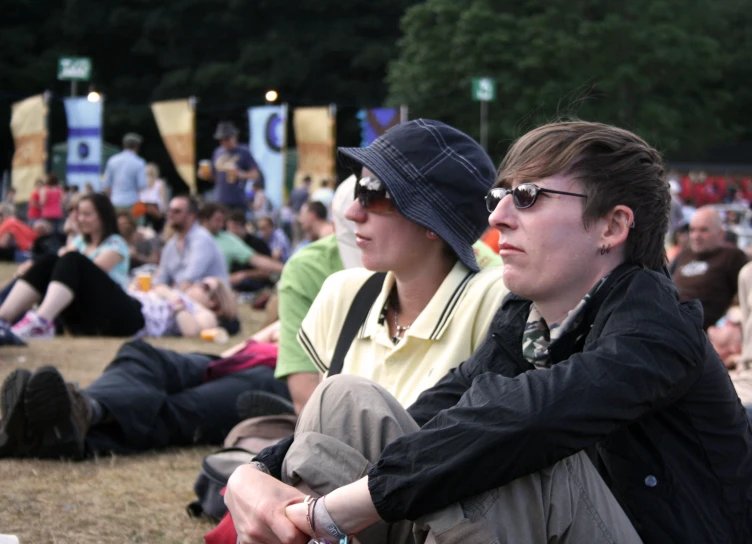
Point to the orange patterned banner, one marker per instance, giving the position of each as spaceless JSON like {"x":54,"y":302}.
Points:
{"x":28,"y":123}
{"x":176,"y":120}
{"x":314,"y":137}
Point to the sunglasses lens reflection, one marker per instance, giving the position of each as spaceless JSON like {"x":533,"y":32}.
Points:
{"x":373,"y":196}
{"x":524,"y":195}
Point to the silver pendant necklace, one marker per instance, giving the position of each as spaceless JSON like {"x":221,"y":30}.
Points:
{"x":399,"y":331}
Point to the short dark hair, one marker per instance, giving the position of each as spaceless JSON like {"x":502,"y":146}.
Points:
{"x":193,"y":207}
{"x":237,"y":216}
{"x":209,"y":209}
{"x":318,"y":209}
{"x":131,"y":221}
{"x":615,"y":167}
{"x":127,"y":215}
{"x":52,"y":179}
{"x":265,"y":218}
{"x":106,"y":213}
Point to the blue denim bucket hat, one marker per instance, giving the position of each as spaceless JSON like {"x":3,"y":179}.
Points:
{"x":438,"y":177}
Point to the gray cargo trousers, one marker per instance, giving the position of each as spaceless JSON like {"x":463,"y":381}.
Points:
{"x":347,"y":423}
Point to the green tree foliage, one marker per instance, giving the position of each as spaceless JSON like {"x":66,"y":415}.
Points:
{"x":668,"y":69}
{"x":225,"y":52}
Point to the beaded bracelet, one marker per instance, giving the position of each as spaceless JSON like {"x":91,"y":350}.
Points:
{"x":310,"y":504}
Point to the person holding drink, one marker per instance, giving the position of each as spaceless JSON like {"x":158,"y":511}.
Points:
{"x":231,"y":166}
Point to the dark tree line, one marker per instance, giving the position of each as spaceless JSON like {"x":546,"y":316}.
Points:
{"x":679,"y":72}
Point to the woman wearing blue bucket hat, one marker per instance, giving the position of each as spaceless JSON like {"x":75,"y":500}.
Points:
{"x":418,"y":211}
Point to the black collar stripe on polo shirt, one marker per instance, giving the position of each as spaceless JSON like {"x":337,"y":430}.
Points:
{"x":362,"y":330}
{"x":307,"y":345}
{"x":450,"y":306}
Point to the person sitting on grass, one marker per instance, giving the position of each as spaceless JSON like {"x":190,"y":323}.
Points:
{"x":15,"y":235}
{"x":237,"y":225}
{"x":250,"y":271}
{"x":418,"y":212}
{"x":84,"y":284}
{"x":143,"y":250}
{"x":191,"y":253}
{"x":274,"y":237}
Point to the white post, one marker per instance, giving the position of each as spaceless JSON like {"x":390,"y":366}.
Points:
{"x":484,"y":124}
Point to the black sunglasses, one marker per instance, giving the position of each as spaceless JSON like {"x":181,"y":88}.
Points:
{"x":523,"y":196}
{"x":373,"y":196}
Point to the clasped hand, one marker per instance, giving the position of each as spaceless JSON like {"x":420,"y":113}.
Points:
{"x":265,"y":510}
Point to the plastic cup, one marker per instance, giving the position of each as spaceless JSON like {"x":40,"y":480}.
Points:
{"x":218,"y":335}
{"x":204,"y":169}
{"x":144,"y":282}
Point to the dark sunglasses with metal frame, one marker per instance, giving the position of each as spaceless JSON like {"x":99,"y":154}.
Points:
{"x":373,"y":197}
{"x":523,"y":196}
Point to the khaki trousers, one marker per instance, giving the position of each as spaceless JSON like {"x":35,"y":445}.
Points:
{"x":348,"y":421}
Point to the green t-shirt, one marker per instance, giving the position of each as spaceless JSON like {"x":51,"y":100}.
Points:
{"x":302,"y":278}
{"x":234,"y":249}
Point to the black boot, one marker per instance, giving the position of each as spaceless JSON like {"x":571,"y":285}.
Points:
{"x":57,"y":414}
{"x":13,"y":440}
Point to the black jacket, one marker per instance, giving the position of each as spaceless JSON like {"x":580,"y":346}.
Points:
{"x":636,"y":384}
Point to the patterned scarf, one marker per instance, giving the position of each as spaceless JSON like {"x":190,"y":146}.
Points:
{"x":538,"y":335}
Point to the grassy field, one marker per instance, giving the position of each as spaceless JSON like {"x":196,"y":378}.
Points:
{"x":109,"y":499}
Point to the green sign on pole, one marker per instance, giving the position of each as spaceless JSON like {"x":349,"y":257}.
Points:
{"x":484,"y":89}
{"x":74,"y":68}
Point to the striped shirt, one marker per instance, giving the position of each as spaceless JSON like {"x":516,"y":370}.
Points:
{"x":445,"y":333}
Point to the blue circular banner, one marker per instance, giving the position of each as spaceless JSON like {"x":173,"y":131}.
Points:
{"x":83,"y":150}
{"x":274,"y":132}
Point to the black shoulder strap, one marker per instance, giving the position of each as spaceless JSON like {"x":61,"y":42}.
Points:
{"x":355,"y":316}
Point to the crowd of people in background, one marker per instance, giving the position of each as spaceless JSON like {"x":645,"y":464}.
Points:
{"x":77,"y":248}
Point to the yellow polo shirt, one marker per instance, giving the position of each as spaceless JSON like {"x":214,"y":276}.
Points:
{"x":446,"y":332}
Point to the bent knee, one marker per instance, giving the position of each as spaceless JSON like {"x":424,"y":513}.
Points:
{"x":344,"y":389}
{"x":72,"y":256}
{"x":342,"y":384}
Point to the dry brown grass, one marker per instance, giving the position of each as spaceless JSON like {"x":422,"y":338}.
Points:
{"x":114,"y":499}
